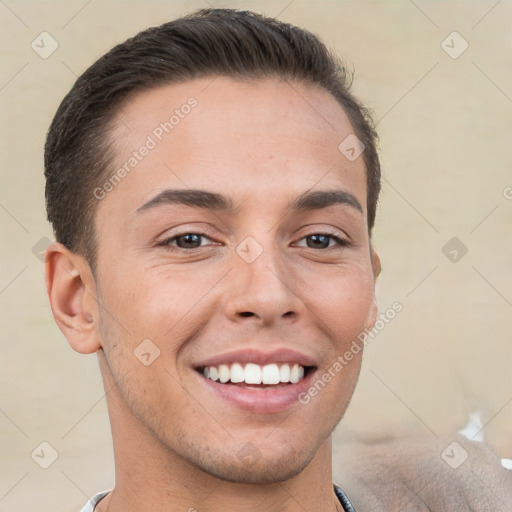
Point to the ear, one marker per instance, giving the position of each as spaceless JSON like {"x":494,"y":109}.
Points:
{"x":376,"y":267}
{"x":72,"y":293}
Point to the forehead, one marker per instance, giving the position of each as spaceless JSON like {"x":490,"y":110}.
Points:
{"x":234,"y":136}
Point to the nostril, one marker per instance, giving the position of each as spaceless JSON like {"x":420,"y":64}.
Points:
{"x":246,"y":313}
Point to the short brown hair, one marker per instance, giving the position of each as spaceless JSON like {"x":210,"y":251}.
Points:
{"x":209,"y":42}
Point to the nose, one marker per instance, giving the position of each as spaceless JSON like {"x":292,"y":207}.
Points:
{"x":262,"y":291}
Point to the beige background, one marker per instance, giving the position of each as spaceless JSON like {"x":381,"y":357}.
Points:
{"x":445,"y":138}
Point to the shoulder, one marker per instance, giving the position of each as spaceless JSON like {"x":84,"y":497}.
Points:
{"x":415,"y":472}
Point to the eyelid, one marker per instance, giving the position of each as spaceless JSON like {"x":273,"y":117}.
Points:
{"x":326,"y":230}
{"x":166,"y":241}
{"x":341,"y":241}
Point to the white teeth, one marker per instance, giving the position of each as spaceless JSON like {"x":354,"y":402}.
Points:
{"x":294,"y":374}
{"x":214,"y":373}
{"x":237,"y":373}
{"x":224,"y":373}
{"x":252,"y":373}
{"x":284,"y":373}
{"x":270,"y":374}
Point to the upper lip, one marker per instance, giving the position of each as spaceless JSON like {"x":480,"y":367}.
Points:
{"x":259,"y":357}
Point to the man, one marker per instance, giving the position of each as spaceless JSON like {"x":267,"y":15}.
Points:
{"x":213,"y":185}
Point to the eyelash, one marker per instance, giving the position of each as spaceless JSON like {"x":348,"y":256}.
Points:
{"x":341,"y":242}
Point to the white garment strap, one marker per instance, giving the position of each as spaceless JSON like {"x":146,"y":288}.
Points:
{"x":89,"y":506}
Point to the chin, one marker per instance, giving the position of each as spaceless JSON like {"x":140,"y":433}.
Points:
{"x":264,"y":471}
{"x":248,"y":464}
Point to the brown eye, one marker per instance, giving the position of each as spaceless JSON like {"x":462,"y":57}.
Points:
{"x":321,"y":241}
{"x":186,"y":241}
{"x":318,"y":241}
{"x":189,"y":241}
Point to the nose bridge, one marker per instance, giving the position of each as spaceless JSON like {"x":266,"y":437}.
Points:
{"x":261,"y":285}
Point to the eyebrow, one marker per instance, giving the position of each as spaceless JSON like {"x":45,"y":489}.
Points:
{"x":324,"y":198}
{"x":194,"y":198}
{"x":213,"y":201}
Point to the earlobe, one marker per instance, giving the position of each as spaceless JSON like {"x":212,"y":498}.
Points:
{"x":71,"y":290}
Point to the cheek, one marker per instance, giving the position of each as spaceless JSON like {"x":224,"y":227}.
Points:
{"x":344,"y":302}
{"x":154,"y":304}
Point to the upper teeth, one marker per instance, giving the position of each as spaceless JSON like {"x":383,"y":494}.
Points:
{"x":255,"y":374}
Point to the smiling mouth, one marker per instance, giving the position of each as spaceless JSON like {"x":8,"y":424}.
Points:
{"x":252,"y":375}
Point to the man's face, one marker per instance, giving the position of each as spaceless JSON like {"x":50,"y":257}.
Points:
{"x":272,"y":273}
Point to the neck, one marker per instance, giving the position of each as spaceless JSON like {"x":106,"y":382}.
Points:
{"x":151,"y":476}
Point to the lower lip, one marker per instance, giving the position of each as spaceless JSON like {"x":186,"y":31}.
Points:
{"x":260,"y":400}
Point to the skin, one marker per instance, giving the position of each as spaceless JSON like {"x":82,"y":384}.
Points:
{"x":261,"y":144}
